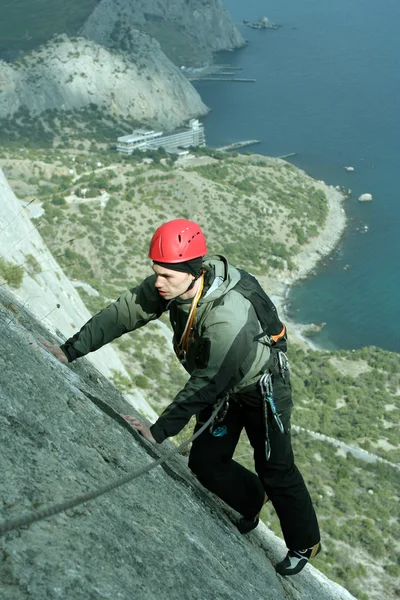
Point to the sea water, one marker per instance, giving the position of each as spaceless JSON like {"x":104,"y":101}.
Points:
{"x":328,"y":89}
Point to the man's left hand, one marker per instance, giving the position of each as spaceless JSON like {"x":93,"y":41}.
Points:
{"x":141,"y":428}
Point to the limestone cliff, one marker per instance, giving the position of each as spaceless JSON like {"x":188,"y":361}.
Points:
{"x":203,"y":26}
{"x":49,"y":288}
{"x":72,"y":73}
{"x":161,"y":536}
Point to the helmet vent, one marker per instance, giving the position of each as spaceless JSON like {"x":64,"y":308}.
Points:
{"x":179,"y":238}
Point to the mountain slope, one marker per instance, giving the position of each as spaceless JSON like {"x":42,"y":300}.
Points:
{"x":75,"y":73}
{"x":189,"y":31}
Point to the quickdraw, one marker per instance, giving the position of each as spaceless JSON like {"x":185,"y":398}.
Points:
{"x":267,"y":394}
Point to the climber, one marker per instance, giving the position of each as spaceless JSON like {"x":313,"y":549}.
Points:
{"x":219,"y":315}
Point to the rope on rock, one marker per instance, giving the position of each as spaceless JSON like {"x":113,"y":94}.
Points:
{"x":50,"y":511}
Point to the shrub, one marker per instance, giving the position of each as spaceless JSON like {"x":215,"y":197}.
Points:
{"x":13,"y":274}
{"x":32,"y":266}
{"x":59,"y":201}
{"x":141,"y":381}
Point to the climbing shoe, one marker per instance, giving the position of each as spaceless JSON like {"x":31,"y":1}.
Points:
{"x":247,"y":525}
{"x":296,"y":560}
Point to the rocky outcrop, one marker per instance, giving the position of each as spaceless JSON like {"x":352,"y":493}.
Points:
{"x":365,"y":198}
{"x":161,"y":536}
{"x":72,"y":74}
{"x":48,"y":292}
{"x":204,"y":24}
{"x":262,"y":23}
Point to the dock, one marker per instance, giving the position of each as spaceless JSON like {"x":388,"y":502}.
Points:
{"x":287,"y":155}
{"x":237,"y":145}
{"x":221,"y":79}
{"x":229,"y":67}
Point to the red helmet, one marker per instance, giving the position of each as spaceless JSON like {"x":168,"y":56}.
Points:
{"x":177,"y":241}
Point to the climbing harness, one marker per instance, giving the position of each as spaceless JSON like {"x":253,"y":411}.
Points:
{"x":50,"y":511}
{"x":266,"y":388}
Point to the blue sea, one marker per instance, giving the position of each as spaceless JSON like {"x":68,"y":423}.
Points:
{"x":328,"y":89}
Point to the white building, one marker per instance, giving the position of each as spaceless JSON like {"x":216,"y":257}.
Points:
{"x":141,"y":139}
{"x":138,"y":140}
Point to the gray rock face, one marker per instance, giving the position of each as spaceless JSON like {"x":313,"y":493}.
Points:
{"x":71,"y":74}
{"x":205,"y":22}
{"x":42,"y":292}
{"x":161,"y":536}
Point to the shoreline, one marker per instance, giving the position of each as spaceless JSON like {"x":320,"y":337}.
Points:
{"x":308,"y":259}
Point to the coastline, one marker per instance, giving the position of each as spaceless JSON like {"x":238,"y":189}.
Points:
{"x":309,"y":257}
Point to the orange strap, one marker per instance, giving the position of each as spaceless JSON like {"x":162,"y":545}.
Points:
{"x":277,"y":337}
{"x":184,"y":341}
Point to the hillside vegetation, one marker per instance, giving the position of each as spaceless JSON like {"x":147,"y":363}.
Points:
{"x":27,"y":24}
{"x":259,"y":212}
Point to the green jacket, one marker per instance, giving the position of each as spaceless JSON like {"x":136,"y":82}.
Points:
{"x":223,"y":355}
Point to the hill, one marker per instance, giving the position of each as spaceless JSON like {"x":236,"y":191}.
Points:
{"x":188,"y":30}
{"x":75,"y":73}
{"x":118,"y":55}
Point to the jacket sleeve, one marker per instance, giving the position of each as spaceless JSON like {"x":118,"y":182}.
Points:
{"x":227,"y":352}
{"x":132,"y":310}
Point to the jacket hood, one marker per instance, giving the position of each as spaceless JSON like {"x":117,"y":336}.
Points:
{"x":220,"y":278}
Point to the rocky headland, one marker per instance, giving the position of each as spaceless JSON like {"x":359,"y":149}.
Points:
{"x":204,"y":26}
{"x":68,"y":74}
{"x":124,"y":61}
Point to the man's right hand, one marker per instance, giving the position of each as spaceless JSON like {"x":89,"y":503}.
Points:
{"x":55,"y":350}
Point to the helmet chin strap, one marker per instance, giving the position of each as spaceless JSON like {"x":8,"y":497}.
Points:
{"x":193,"y":282}
{"x":190,"y":286}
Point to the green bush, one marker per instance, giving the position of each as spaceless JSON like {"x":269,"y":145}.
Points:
{"x":59,"y":201}
{"x":123,"y":383}
{"x":141,"y":381}
{"x":32,"y":266}
{"x":393,"y":570}
{"x":11,"y":273}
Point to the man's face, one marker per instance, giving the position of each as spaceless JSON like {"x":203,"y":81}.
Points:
{"x":171,"y":284}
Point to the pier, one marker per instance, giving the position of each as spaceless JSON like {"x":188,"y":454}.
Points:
{"x":229,"y":67}
{"x":287,"y":155}
{"x":237,"y":145}
{"x":220,"y":79}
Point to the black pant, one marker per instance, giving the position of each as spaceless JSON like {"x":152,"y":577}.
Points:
{"x":211,"y":461}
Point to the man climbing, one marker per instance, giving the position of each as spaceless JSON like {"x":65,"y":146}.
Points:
{"x":221,"y":340}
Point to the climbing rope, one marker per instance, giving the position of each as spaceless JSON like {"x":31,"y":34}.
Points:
{"x":50,"y":511}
